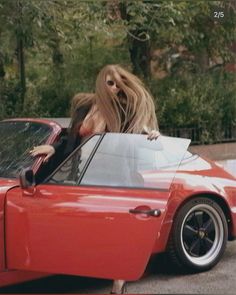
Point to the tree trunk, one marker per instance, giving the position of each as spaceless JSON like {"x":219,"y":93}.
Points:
{"x":20,"y":55}
{"x":139,"y":46}
{"x":140,"y":55}
{"x":2,"y":71}
{"x":58,"y":62}
{"x":21,"y":64}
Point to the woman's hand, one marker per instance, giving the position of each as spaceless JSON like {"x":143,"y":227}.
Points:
{"x":46,"y":149}
{"x":153,"y":134}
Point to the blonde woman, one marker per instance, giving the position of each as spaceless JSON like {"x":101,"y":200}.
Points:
{"x":124,"y":105}
{"x":121,"y":103}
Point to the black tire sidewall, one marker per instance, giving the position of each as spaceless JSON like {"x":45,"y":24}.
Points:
{"x":176,"y":234}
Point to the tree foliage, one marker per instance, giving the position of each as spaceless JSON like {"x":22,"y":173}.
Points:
{"x":49,"y":50}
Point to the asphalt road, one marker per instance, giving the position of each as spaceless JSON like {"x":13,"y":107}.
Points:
{"x":160,"y":278}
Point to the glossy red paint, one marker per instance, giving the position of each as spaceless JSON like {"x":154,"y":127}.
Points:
{"x":7,"y":276}
{"x":199,"y":177}
{"x":63,"y":229}
{"x":5,"y":185}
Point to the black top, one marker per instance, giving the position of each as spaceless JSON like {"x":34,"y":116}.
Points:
{"x":66,"y":144}
{"x":71,"y":140}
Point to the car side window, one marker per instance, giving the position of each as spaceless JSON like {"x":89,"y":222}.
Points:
{"x":119,"y":162}
{"x":70,"y":170}
{"x":130,"y":160}
{"x":112,"y":164}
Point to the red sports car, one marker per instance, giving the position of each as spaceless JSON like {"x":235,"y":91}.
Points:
{"x":104,"y":210}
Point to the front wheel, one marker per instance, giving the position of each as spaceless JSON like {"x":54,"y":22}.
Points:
{"x":199,"y":235}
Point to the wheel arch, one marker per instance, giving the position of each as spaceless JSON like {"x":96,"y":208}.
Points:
{"x":220,"y":201}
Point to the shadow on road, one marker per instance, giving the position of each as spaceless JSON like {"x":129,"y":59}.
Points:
{"x":59,"y":284}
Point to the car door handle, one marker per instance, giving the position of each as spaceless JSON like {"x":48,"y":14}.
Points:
{"x":152,"y":212}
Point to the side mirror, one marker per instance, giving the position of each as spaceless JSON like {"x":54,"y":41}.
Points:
{"x":27,"y":178}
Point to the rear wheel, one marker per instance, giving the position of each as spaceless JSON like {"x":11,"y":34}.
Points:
{"x":199,"y":235}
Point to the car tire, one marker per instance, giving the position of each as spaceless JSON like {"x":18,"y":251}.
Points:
{"x":199,"y":235}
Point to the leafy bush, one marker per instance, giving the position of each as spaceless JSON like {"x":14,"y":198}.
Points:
{"x":204,"y":100}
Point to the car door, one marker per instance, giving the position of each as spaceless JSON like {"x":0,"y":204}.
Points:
{"x":94,"y":216}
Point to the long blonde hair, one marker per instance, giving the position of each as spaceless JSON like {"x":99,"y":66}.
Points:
{"x":132,"y":109}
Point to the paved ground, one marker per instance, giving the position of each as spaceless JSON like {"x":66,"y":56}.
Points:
{"x":160,"y":279}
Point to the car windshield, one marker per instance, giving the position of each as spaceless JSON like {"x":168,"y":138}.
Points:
{"x":17,"y":138}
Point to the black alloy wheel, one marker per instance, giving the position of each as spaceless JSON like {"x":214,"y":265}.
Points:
{"x":199,"y":235}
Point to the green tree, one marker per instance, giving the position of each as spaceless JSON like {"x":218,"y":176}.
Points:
{"x":168,"y":24}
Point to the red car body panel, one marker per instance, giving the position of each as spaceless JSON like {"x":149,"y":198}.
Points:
{"x":86,"y":230}
{"x":5,"y":184}
{"x":76,"y":227}
{"x":211,"y":180}
{"x":9,"y":276}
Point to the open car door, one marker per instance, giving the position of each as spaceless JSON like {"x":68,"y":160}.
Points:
{"x":99,"y":214}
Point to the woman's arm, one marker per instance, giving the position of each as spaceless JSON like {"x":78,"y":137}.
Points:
{"x":67,"y":142}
